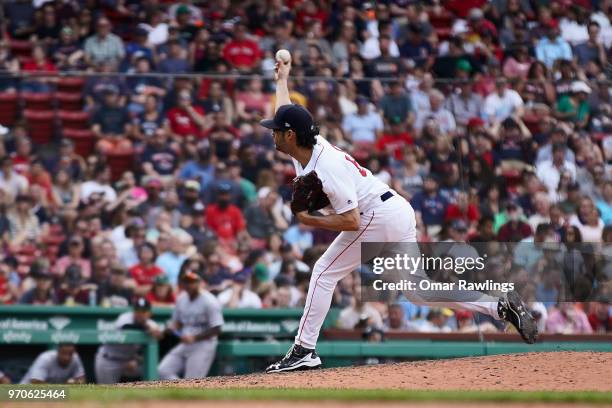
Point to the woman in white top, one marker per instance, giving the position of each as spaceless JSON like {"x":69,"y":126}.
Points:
{"x":24,"y":225}
{"x":588,"y":222}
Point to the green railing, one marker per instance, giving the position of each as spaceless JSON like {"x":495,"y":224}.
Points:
{"x":50,"y":325}
{"x":249,"y":323}
{"x":251,"y":337}
{"x":54,"y":337}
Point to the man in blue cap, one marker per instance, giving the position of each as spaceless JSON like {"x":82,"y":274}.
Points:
{"x":225,"y":218}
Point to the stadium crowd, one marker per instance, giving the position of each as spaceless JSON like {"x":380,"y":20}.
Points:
{"x":492,"y":117}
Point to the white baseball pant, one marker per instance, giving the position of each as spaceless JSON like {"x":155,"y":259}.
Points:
{"x":391,"y":221}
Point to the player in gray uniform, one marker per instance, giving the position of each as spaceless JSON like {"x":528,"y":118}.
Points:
{"x":61,"y":366}
{"x":115,"y":360}
{"x":197,"y":320}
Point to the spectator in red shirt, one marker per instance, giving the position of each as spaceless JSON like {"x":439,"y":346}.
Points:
{"x":38,"y":176}
{"x":462,"y":209}
{"x":22,"y":156}
{"x":161,"y":293}
{"x":600,"y":317}
{"x":479,"y":24}
{"x":186,"y":120}
{"x":461,"y":8}
{"x":8,"y":291}
{"x":515,"y":229}
{"x":395,"y":139}
{"x":308,"y":12}
{"x":241,"y":52}
{"x":483,"y":142}
{"x":38,"y":64}
{"x":224,"y":218}
{"x":145,"y":271}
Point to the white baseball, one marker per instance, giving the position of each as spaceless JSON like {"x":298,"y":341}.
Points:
{"x":283,"y":55}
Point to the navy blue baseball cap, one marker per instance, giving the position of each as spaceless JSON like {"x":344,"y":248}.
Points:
{"x":224,"y":187}
{"x":294,"y":117}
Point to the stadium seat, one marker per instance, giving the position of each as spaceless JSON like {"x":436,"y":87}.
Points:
{"x":121,"y":22}
{"x":51,"y":240}
{"x":8,"y":108}
{"x":442,"y":20}
{"x":25,"y":259}
{"x":203,"y":88}
{"x":56,"y":230}
{"x":37,"y":101}
{"x":27,"y":250}
{"x":119,"y":163}
{"x":512,"y":179}
{"x":21,"y":48}
{"x":70,"y":101}
{"x":73,"y":120}
{"x":52,"y":253}
{"x":442,"y":24}
{"x":533,"y":124}
{"x":27,"y":254}
{"x":443,"y":33}
{"x":71,"y":84}
{"x":84,"y":140}
{"x":41,"y":125}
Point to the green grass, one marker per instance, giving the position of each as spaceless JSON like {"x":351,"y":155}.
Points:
{"x":107,"y":394}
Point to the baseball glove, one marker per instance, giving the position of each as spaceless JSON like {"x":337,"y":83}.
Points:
{"x":308,"y":193}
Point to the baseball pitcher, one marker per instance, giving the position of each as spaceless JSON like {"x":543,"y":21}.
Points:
{"x":364,"y":209}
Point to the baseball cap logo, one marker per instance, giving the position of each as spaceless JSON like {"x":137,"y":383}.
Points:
{"x":287,"y":124}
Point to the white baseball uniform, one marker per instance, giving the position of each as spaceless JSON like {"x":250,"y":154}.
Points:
{"x":349,"y":186}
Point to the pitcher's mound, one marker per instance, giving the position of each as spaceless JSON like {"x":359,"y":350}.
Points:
{"x":558,"y":371}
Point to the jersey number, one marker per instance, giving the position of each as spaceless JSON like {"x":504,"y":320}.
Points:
{"x":349,"y":158}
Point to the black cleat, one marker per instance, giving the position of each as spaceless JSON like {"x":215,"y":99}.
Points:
{"x":512,"y":309}
{"x":297,"y":358}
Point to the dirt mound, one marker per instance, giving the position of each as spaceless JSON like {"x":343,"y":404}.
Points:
{"x":555,"y":371}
